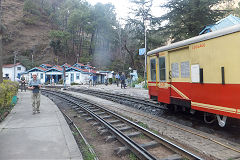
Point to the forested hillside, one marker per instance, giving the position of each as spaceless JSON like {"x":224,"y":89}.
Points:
{"x":57,"y":31}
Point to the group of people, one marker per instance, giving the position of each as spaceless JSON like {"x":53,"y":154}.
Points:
{"x":121,"y":78}
{"x":92,"y":79}
{"x":35,"y":85}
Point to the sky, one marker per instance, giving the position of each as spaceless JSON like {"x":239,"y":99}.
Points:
{"x":123,"y":7}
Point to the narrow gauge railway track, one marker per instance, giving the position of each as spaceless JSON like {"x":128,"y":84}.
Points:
{"x":149,"y":106}
{"x":119,"y":127}
{"x":155,"y":108}
{"x":72,"y":124}
{"x":116,"y":97}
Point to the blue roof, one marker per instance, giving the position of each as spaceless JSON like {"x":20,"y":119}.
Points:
{"x":50,"y":69}
{"x":223,"y":23}
{"x":76,"y":69}
{"x":35,"y":69}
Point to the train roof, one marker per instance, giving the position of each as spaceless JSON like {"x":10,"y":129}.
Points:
{"x":196,"y":39}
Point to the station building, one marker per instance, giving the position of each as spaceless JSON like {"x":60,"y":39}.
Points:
{"x":77,"y":73}
{"x":11,"y":71}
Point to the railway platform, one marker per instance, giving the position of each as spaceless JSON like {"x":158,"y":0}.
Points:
{"x":40,"y":136}
{"x":112,"y":88}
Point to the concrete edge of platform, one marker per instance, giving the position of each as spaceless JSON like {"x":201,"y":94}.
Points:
{"x":4,"y":123}
{"x":70,"y":140}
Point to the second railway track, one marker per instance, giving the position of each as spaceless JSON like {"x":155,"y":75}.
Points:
{"x":124,"y":130}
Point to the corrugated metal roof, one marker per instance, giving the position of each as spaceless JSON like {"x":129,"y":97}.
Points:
{"x":223,"y":23}
{"x":203,"y":37}
{"x":10,"y":65}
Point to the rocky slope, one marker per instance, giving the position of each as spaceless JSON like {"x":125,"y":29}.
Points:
{"x":25,"y":33}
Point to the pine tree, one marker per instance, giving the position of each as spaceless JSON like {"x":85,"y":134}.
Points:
{"x":186,"y":18}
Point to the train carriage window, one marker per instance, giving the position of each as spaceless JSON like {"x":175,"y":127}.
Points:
{"x":175,"y":70}
{"x":162,"y":69}
{"x":185,"y":69}
{"x":153,"y":70}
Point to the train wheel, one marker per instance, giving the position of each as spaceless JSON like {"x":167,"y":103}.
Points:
{"x":209,"y":118}
{"x":221,"y":121}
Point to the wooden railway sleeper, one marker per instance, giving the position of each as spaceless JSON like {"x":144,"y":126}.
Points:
{"x":104,"y":132}
{"x":101,"y":113}
{"x":124,"y":150}
{"x":96,"y":124}
{"x":113,"y":138}
{"x":120,"y":125}
{"x":107,"y":117}
{"x":114,"y":122}
{"x":96,"y":110}
{"x":89,"y":119}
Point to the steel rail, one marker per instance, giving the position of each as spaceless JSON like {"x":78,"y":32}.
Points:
{"x":177,"y":149}
{"x":139,"y":151}
{"x":154,"y":136}
{"x":79,"y":132}
{"x":189,"y":131}
{"x":132,"y":99}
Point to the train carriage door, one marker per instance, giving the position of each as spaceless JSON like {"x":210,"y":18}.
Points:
{"x":163,"y":88}
{"x":179,"y":64}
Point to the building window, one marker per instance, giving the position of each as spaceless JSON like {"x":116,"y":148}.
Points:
{"x":77,"y":76}
{"x":162,"y":69}
{"x":41,"y":75}
{"x":153,"y":69}
{"x":175,"y":70}
{"x":185,"y":70}
{"x":19,"y":68}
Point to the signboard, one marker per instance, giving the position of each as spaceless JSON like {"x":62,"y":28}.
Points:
{"x":142,"y":51}
{"x":195,"y":69}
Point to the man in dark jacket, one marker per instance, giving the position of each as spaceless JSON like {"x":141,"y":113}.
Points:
{"x":23,"y":83}
{"x":123,"y":78}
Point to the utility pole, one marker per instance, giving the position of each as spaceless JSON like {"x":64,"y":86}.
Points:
{"x":1,"y":51}
{"x":145,"y":36}
{"x":32,"y":59}
{"x":15,"y":57}
{"x":77,"y":57}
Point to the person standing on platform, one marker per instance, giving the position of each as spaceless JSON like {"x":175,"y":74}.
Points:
{"x":94,"y":79}
{"x":123,"y":78}
{"x":23,"y":83}
{"x":117,"y":77}
{"x":35,"y":86}
{"x":53,"y":82}
{"x":90,"y":78}
{"x":106,"y":80}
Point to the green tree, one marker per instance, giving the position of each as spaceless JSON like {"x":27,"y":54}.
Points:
{"x":186,"y":18}
{"x":59,"y":41}
{"x":134,"y":39}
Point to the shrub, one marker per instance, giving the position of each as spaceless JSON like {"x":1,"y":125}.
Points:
{"x":8,"y":90}
{"x":60,"y":81}
{"x":74,"y":83}
{"x":30,"y":20}
{"x":31,"y":7}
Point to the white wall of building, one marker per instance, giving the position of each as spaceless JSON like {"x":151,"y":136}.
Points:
{"x":10,"y":71}
{"x":77,"y":77}
{"x":40,"y":75}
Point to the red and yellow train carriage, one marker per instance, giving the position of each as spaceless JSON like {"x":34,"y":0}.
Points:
{"x":201,"y":73}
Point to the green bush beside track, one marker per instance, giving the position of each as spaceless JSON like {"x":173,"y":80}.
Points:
{"x":8,"y":90}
